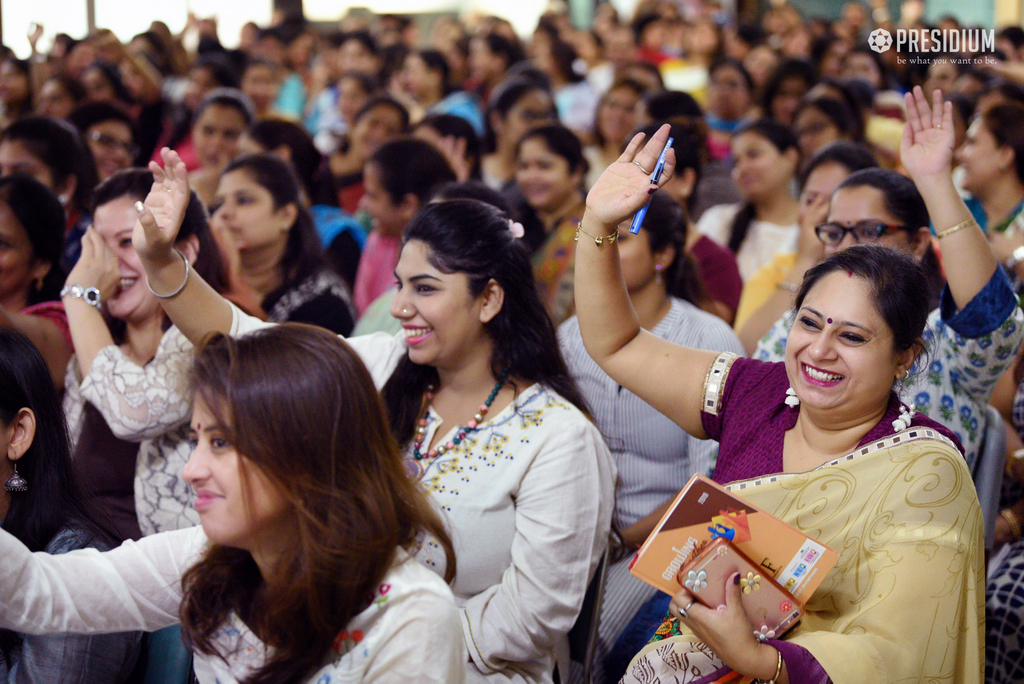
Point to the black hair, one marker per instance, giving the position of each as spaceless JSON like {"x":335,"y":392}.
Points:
{"x":669,"y":104}
{"x":787,"y":69}
{"x":303,"y":255}
{"x":70,"y":85}
{"x":475,"y":190}
{"x":306,"y":159}
{"x":899,"y":287}
{"x":835,"y":111}
{"x":562,"y":142}
{"x":386,"y":101}
{"x":58,"y":146}
{"x":232,"y":98}
{"x":365,"y":38}
{"x":850,"y":155}
{"x":857,"y":105}
{"x":410,"y":166}
{"x":782,"y":138}
{"x":221,"y":69}
{"x":89,"y":114}
{"x":666,"y":226}
{"x":25,"y":67}
{"x":564,"y":56}
{"x":449,"y":125}
{"x":504,"y":97}
{"x":113,"y":77}
{"x":41,"y":216}
{"x":884,"y":73}
{"x":498,"y":44}
{"x":473,"y":238}
{"x":435,"y":60}
{"x":53,"y":499}
{"x":1014,"y":34}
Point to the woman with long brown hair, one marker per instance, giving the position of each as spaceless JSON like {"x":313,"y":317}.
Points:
{"x":305,"y":540}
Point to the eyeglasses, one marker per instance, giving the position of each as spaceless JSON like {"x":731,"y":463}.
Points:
{"x":110,"y":141}
{"x":863,"y":231}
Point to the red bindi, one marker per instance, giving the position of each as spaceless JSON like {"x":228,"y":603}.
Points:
{"x":849,"y":274}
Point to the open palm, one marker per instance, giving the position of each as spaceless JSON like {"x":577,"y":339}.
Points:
{"x":624,"y":186}
{"x":927,"y":145}
{"x":163,"y":210}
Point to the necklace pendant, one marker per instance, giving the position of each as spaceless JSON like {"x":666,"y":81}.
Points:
{"x":415,"y":469}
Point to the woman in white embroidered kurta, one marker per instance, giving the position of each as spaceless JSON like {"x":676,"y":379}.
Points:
{"x":335,"y":590}
{"x":527,"y":484}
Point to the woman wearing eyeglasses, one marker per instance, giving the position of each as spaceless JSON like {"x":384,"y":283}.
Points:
{"x":975,"y":326}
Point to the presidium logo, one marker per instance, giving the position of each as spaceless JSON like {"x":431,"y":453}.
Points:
{"x":944,"y":41}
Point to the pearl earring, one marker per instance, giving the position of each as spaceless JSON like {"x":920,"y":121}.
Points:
{"x":791,"y":399}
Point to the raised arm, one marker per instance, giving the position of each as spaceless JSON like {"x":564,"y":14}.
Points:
{"x":666,"y":375}
{"x":195,"y":307}
{"x":927,"y":154}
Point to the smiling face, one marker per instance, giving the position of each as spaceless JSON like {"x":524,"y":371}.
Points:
{"x":246,"y":209}
{"x":761,"y":171}
{"x":544,"y":177}
{"x":443,"y":323}
{"x":839,"y":355}
{"x":133,"y":302}
{"x":238,"y":505}
{"x":112,"y":146}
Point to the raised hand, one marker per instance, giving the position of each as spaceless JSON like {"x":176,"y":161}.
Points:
{"x":625,"y":186}
{"x":927,"y":146}
{"x":96,"y":267}
{"x":163,"y":211}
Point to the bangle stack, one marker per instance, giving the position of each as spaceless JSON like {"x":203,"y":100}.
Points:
{"x":778,"y":671}
{"x":188,"y":270}
{"x":950,"y":231}
{"x":1010,"y":516}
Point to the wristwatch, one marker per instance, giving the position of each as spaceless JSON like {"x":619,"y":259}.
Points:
{"x":90,"y":295}
{"x":1015,"y":258}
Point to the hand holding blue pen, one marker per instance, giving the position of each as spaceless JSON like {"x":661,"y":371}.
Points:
{"x":638,"y":218}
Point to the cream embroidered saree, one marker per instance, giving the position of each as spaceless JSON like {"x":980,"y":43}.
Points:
{"x":906,"y":601}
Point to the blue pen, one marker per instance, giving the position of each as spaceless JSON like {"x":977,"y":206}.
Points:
{"x":638,"y":218}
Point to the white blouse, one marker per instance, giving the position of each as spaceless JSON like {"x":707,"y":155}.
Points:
{"x":763,"y":242}
{"x":528,"y":500}
{"x":404,"y":635}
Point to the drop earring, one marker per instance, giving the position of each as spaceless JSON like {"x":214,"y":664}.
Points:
{"x":16,"y":483}
{"x":791,"y":399}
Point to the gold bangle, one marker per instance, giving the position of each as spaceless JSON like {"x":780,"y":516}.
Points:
{"x":1010,"y":516}
{"x":950,"y":231}
{"x":611,"y":238}
{"x":778,"y":671}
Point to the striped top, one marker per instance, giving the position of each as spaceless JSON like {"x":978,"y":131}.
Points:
{"x":655,"y":457}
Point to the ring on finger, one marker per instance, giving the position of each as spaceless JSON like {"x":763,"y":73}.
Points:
{"x":646,"y":172}
{"x":683,"y":612}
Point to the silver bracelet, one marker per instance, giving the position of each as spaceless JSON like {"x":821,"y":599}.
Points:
{"x":90,"y":295}
{"x":188,"y":270}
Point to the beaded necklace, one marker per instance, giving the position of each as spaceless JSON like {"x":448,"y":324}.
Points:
{"x":418,"y":466}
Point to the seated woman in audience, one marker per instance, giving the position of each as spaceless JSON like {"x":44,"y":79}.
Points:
{"x":786,"y":87}
{"x":31,"y":240}
{"x":769,"y":293}
{"x":821,"y":121}
{"x":730,"y":97}
{"x":301,"y":570}
{"x":862,"y":315}
{"x":220,"y":119}
{"x":767,"y":159}
{"x":400,"y":178}
{"x":549,"y":172}
{"x":516,"y":105}
{"x":15,"y":89}
{"x":53,"y":153}
{"x":58,"y":96}
{"x":42,"y":509}
{"x":524,"y":478}
{"x":126,"y":384}
{"x":341,"y":236}
{"x":975,"y":326}
{"x":380,"y":120}
{"x":614,"y":120}
{"x":654,"y":456}
{"x":457,"y":141}
{"x":110,"y":134}
{"x":425,"y":77}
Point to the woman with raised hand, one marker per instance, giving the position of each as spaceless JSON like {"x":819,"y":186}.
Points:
{"x":808,"y":421}
{"x":490,"y":420}
{"x":301,"y":570}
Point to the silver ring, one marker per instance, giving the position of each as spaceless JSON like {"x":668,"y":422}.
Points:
{"x":683,"y":611}
{"x":646,"y":172}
